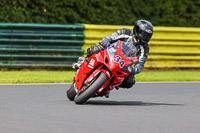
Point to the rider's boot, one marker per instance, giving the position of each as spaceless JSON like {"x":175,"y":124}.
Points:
{"x":107,"y":95}
{"x":78,"y":64}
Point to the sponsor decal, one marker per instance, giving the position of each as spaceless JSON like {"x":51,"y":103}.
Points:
{"x":92,"y":62}
{"x":108,"y":73}
{"x":100,"y":89}
{"x":96,"y":73}
{"x":91,"y":67}
{"x":90,"y":79}
{"x":97,"y":59}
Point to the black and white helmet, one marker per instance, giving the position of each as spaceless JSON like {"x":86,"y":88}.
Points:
{"x":143,"y":31}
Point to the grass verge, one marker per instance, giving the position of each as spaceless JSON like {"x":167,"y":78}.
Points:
{"x":12,"y":77}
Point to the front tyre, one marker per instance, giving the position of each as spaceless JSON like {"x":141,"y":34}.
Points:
{"x":71,"y":93}
{"x":92,"y":89}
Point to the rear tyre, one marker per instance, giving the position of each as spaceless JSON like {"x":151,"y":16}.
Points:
{"x":91,"y":90}
{"x":71,"y":93}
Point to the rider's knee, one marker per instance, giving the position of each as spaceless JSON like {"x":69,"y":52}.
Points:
{"x":128,"y":82}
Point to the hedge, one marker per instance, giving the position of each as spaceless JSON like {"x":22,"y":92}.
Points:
{"x":115,"y":12}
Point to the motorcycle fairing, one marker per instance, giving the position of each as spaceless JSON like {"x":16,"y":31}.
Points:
{"x":114,"y":60}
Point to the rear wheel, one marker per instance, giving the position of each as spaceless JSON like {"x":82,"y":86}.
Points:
{"x":91,"y":90}
{"x":71,"y":93}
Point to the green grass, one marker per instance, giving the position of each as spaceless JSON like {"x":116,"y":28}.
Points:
{"x":169,"y":76}
{"x":9,"y":77}
{"x":36,"y":77}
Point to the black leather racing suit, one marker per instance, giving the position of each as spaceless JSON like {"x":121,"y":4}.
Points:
{"x":127,"y":36}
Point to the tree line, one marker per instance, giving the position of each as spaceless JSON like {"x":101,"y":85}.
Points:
{"x":115,"y":12}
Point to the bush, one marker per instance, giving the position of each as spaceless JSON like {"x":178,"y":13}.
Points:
{"x":117,"y":12}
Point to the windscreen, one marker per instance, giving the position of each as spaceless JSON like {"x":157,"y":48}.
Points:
{"x":129,"y":50}
{"x":112,"y":50}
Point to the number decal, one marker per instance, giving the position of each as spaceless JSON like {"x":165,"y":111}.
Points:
{"x":118,"y":60}
{"x":121,"y":63}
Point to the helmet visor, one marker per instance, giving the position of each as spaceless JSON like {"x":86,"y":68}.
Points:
{"x":144,"y":36}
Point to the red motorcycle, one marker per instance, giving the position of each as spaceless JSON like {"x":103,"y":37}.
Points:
{"x":102,"y":72}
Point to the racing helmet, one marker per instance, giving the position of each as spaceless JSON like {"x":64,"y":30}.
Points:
{"x":143,"y":31}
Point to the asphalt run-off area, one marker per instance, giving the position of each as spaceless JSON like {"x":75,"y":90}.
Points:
{"x":172,"y":107}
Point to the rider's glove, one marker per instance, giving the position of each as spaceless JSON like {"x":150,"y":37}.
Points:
{"x":134,"y":70}
{"x":105,"y":43}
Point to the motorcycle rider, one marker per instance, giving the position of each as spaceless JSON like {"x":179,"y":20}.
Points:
{"x":139,"y":36}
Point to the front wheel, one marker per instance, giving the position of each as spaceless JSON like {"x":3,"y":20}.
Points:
{"x":71,"y":93}
{"x":92,"y":89}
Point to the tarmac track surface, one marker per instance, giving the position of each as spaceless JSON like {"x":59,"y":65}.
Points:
{"x":145,"y":108}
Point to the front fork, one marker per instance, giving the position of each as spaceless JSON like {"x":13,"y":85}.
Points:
{"x":105,"y":87}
